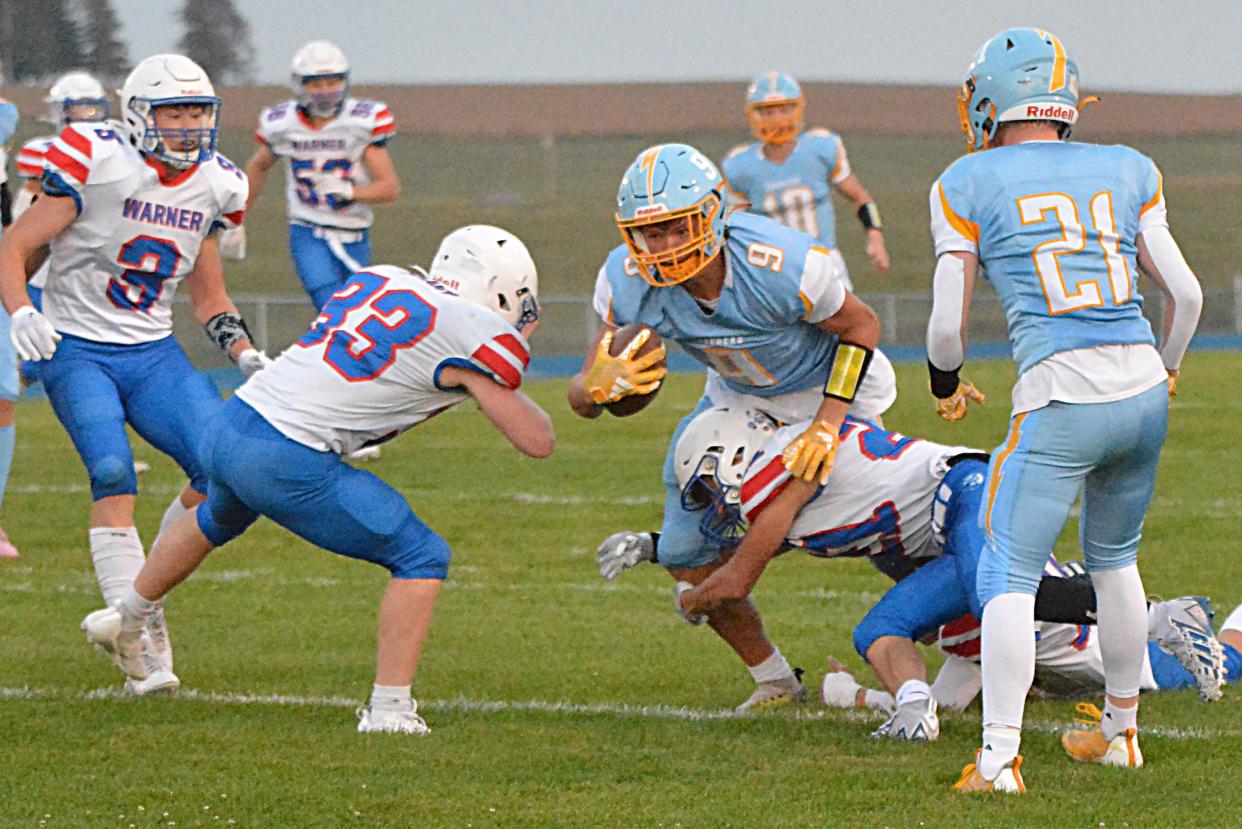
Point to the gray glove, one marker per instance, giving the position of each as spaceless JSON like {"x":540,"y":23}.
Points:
{"x":692,"y":618}
{"x":621,"y":551}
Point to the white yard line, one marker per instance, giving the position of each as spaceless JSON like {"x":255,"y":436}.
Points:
{"x":613,"y":709}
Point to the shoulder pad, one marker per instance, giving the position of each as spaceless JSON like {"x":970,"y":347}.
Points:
{"x":88,"y":153}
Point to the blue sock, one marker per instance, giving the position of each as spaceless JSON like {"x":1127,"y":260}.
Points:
{"x":8,"y":436}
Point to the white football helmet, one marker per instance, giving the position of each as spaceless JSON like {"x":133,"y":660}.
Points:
{"x":169,"y":80}
{"x":710,"y":460}
{"x":76,"y":96}
{"x":491,"y":267}
{"x":320,"y":59}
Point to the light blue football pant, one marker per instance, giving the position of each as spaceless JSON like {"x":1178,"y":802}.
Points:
{"x":1108,"y":452}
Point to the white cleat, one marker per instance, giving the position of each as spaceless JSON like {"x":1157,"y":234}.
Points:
{"x":365,"y":454}
{"x":768,"y":695}
{"x":1182,"y":628}
{"x":406,"y":721}
{"x":158,"y":682}
{"x":161,"y":642}
{"x":129,"y":651}
{"x":915,"y":721}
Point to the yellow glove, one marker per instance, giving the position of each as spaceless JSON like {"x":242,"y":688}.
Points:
{"x":611,"y":378}
{"x":953,"y":407}
{"x":812,"y":453}
{"x":1172,"y":386}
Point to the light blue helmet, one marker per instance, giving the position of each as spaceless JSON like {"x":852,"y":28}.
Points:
{"x":765,"y":93}
{"x":666,"y":182}
{"x":1018,"y":75}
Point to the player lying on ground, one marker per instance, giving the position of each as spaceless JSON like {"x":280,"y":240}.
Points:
{"x":900,"y":501}
{"x":130,"y":210}
{"x":788,"y":173}
{"x":1061,"y":231}
{"x":391,"y":349}
{"x":763,"y":308}
{"x":1067,"y":659}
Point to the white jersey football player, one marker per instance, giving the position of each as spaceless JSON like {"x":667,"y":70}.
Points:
{"x":129,"y":211}
{"x":432,"y":341}
{"x":333,"y":149}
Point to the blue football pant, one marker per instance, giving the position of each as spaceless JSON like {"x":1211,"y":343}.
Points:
{"x":322,"y":269}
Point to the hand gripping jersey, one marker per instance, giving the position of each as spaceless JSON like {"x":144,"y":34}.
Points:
{"x":332,"y":148}
{"x":796,"y":192}
{"x":113,"y":272}
{"x":369,"y":367}
{"x":878,"y":499}
{"x":30,"y":166}
{"x":762,"y":336}
{"x":1055,"y":225}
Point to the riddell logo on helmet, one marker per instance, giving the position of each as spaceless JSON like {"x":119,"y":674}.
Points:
{"x":1057,"y":111}
{"x":650,"y":210}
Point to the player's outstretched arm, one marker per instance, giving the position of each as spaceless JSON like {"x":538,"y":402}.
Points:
{"x":213,"y":308}
{"x":385,"y":184}
{"x":952,"y":287}
{"x":1162,"y":260}
{"x":518,"y":418}
{"x":869,"y":215}
{"x":763,"y":542}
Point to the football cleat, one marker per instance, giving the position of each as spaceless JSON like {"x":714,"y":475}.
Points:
{"x":1086,"y":742}
{"x":405,"y":721}
{"x":1183,"y":628}
{"x":1008,"y":781}
{"x":129,"y":651}
{"x":158,"y":682}
{"x":775,"y":694}
{"x":915,"y":721}
{"x":161,"y":643}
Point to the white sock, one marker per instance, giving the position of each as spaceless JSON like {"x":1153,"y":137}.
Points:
{"x":1122,"y":627}
{"x":1234,"y":620}
{"x":135,"y":610}
{"x":1008,"y":655}
{"x":390,"y":697}
{"x":1117,"y":720}
{"x":175,"y":510}
{"x":913,"y":690}
{"x":772,"y":669}
{"x":879,"y":700}
{"x":117,"y":554}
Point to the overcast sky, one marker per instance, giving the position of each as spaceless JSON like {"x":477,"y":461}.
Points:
{"x":1149,"y":45}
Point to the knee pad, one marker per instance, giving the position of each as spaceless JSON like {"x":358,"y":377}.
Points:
{"x":418,"y":552}
{"x":217,"y":532}
{"x":879,"y":621}
{"x":112,"y":475}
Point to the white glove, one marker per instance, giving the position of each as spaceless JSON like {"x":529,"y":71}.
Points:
{"x":233,"y":243}
{"x":692,"y":618}
{"x":621,"y":551}
{"x":33,"y":336}
{"x":341,"y":189}
{"x":251,"y":361}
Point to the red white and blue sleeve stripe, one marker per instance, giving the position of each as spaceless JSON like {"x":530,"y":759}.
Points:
{"x":504,"y":358}
{"x":30,"y":160}
{"x":761,"y":485}
{"x":385,"y":125}
{"x":69,"y":157}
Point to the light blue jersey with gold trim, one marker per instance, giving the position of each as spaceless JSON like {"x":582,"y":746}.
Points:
{"x":763,"y":336}
{"x":796,"y":192}
{"x":1055,"y":226}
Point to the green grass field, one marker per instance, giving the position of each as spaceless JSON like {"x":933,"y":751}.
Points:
{"x":556,"y":700}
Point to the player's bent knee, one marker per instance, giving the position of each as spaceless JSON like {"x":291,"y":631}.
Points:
{"x":112,"y":475}
{"x":218,"y":531}
{"x":880,"y":622}
{"x":419,"y":553}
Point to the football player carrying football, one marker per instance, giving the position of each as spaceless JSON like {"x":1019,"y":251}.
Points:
{"x":763,"y":308}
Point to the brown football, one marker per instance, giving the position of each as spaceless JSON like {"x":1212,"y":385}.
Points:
{"x":634,"y":403}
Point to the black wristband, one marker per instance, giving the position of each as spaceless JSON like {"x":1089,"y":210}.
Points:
{"x":869,"y":215}
{"x":943,"y":383}
{"x":226,"y":328}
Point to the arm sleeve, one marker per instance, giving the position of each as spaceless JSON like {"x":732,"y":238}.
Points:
{"x":821,"y":289}
{"x":602,"y":301}
{"x":950,"y":227}
{"x":945,"y":349}
{"x":1181,"y":289}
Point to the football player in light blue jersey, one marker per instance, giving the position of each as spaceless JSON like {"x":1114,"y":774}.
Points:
{"x":1060,"y":231}
{"x":789,"y":174}
{"x":762,"y":307}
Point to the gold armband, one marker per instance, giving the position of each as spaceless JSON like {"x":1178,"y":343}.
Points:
{"x":849,"y":367}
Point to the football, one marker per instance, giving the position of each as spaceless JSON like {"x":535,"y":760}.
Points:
{"x":634,"y":403}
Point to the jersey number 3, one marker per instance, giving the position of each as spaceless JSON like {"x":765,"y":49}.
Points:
{"x":1047,"y":255}
{"x":365,"y":349}
{"x":149,"y":261}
